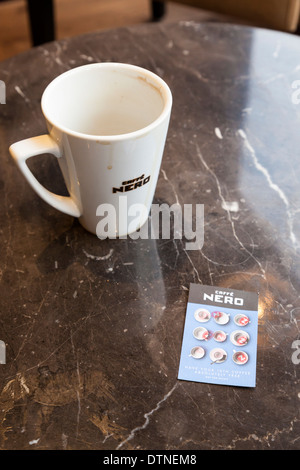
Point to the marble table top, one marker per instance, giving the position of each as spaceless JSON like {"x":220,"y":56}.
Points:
{"x":93,"y":329}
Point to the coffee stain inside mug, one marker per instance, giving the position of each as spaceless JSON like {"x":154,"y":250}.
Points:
{"x":144,"y":79}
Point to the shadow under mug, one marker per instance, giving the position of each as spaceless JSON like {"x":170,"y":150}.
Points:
{"x":107,"y":125}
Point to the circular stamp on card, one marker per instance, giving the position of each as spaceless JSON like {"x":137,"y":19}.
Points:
{"x":239,"y":338}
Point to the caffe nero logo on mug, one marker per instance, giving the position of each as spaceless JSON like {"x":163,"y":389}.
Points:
{"x":130,"y":185}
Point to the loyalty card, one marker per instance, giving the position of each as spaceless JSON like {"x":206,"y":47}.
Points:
{"x":220,"y":336}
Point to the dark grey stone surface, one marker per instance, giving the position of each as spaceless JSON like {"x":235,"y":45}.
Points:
{"x":93,"y":328}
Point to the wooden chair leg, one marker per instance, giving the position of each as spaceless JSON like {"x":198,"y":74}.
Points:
{"x":158,"y":9}
{"x":41,"y":17}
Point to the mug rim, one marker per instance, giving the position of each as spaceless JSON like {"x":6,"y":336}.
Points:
{"x":164,"y":91}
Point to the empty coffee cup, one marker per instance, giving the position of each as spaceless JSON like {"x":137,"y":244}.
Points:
{"x":197,"y":352}
{"x":107,"y":126}
{"x":202,"y":315}
{"x":221,"y":317}
{"x":218,"y":355}
{"x":201,"y":333}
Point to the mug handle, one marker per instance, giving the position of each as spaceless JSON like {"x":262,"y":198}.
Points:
{"x":21,"y":151}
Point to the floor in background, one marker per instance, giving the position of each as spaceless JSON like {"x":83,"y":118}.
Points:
{"x":75,"y":17}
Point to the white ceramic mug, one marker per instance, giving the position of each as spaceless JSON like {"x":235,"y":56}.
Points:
{"x":107,"y":126}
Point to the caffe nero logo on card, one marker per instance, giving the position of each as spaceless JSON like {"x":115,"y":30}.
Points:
{"x":130,"y":185}
{"x":224,"y":297}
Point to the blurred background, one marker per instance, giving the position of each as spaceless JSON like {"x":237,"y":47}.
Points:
{"x":24,"y":23}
